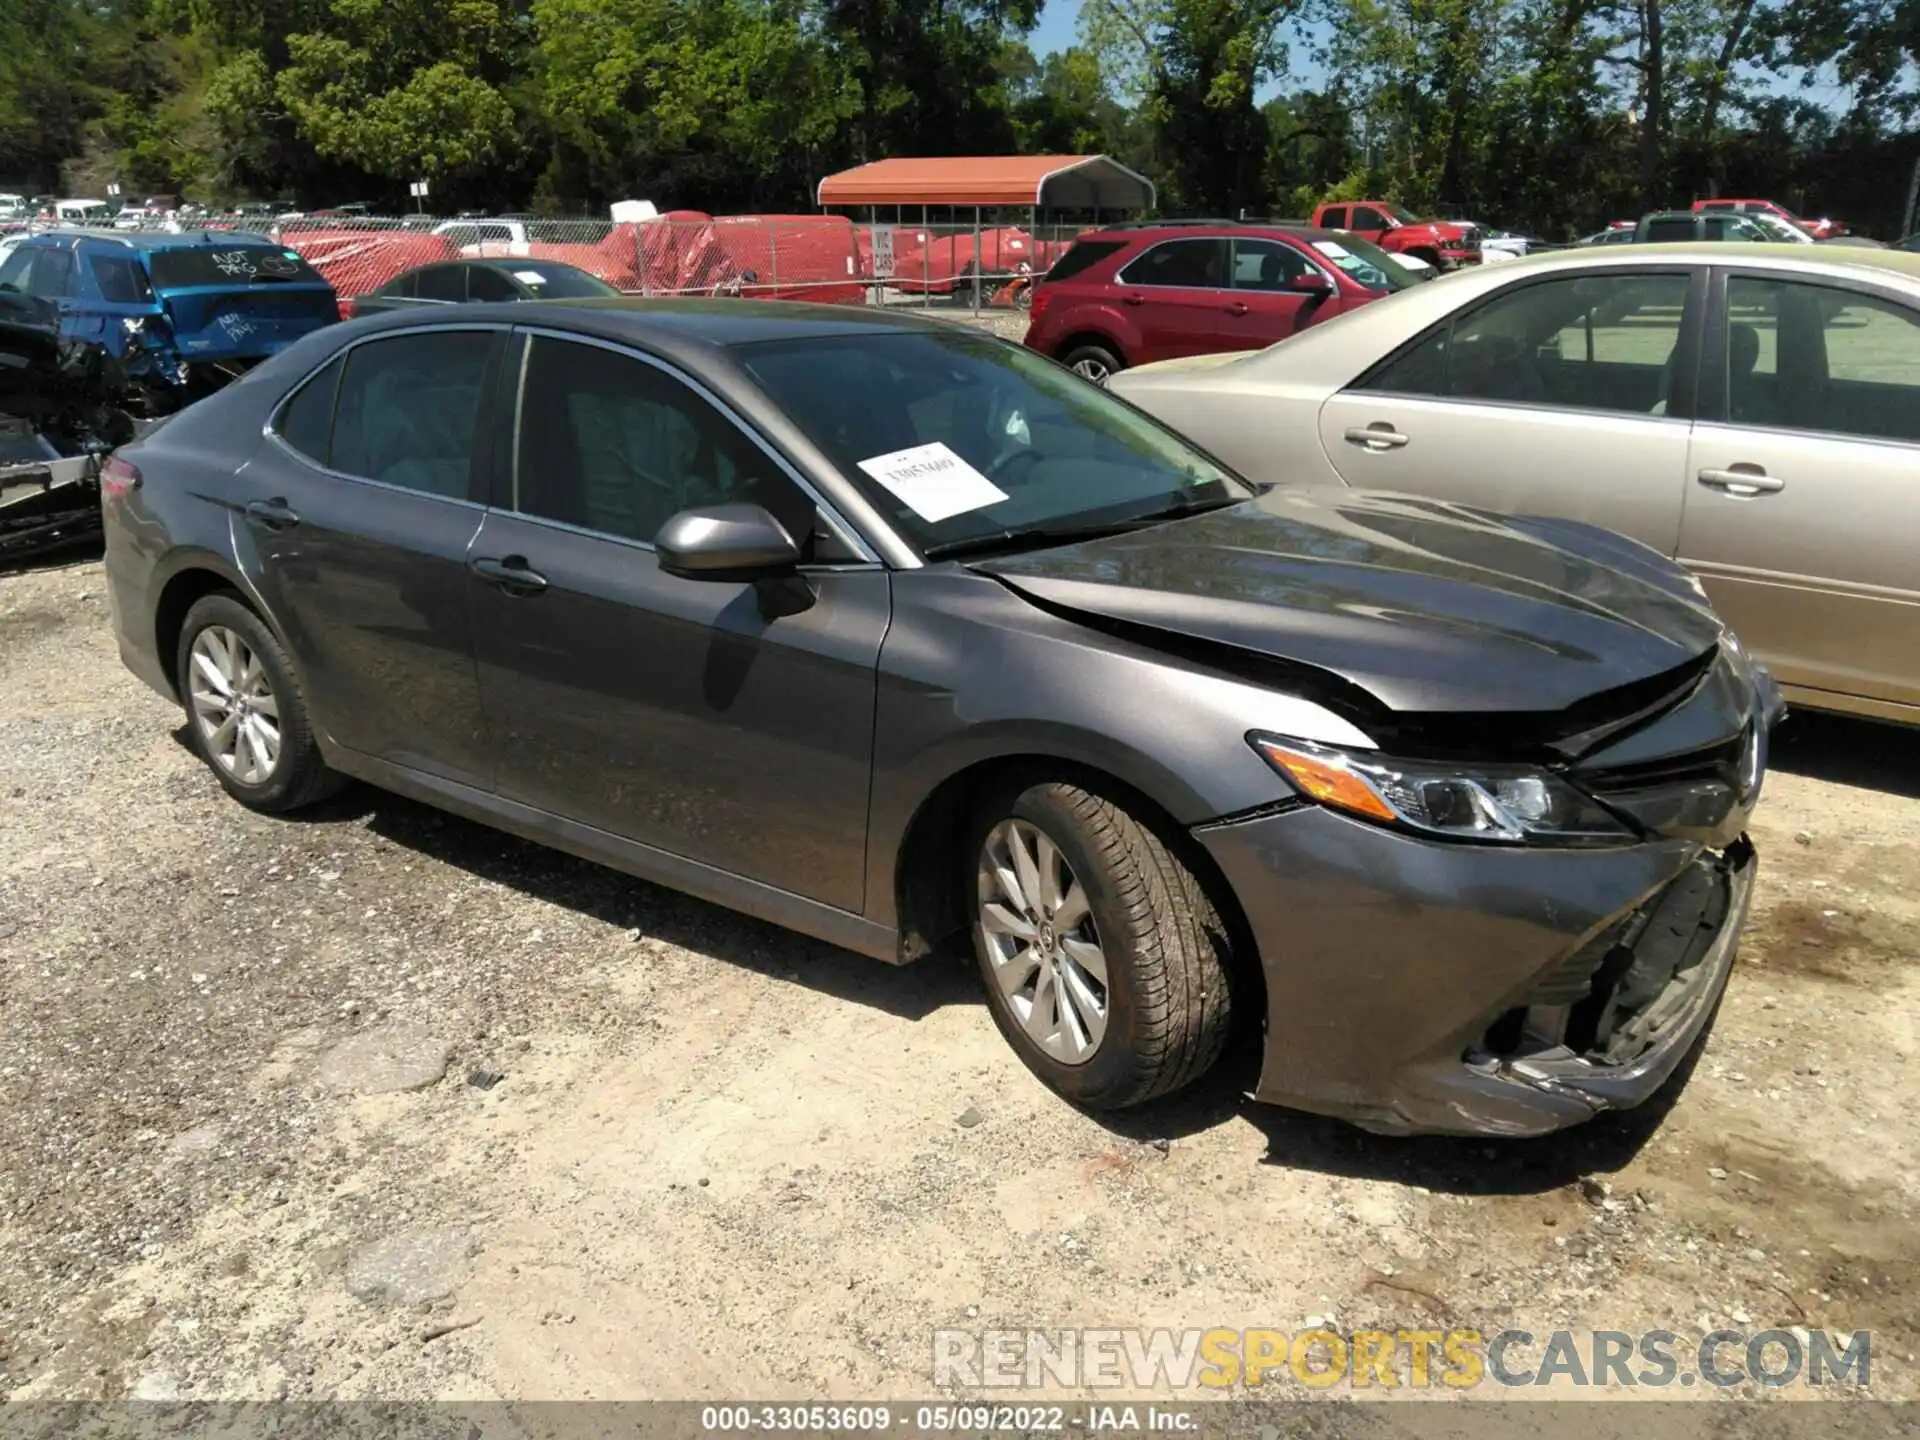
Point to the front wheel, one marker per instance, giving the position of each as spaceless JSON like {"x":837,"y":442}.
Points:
{"x":1104,"y":962}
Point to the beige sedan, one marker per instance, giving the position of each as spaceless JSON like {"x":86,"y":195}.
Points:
{"x":1753,"y":411}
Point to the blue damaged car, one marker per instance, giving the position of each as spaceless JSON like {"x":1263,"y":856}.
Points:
{"x":157,"y":320}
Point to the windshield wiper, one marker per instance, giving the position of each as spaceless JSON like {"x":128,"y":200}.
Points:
{"x":1037,"y":536}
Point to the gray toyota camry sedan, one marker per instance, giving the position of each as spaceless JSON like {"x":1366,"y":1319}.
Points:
{"x":911,"y":640}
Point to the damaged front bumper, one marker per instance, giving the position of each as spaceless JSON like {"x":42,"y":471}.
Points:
{"x":1420,"y":986}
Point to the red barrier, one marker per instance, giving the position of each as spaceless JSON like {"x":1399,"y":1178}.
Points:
{"x":356,"y":261}
{"x":794,"y":257}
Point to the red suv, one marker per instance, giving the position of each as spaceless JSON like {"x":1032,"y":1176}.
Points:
{"x":1132,"y":294}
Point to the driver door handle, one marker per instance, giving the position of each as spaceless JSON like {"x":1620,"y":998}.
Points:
{"x":511,"y":573}
{"x":1134,"y":297}
{"x":1744,"y":481}
{"x":275,"y":514}
{"x":1237,"y":307}
{"x":1378,"y":436}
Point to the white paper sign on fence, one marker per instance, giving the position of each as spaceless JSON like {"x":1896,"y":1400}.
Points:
{"x":933,"y":482}
{"x":882,"y":251}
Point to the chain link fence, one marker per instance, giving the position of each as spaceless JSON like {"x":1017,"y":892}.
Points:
{"x":823,"y":259}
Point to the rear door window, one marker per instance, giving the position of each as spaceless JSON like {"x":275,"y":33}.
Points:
{"x":1818,"y":358}
{"x":407,"y":409}
{"x":1678,"y":227}
{"x":1197,"y":263}
{"x":445,"y":283}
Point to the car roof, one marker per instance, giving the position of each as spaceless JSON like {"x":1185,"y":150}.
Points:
{"x":162,"y":240}
{"x":1716,"y":252}
{"x":1215,"y":229}
{"x":691,"y":323}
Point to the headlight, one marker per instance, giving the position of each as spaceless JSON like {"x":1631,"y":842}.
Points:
{"x":1504,"y":804}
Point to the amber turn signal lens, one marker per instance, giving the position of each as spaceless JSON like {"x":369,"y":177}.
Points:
{"x":1327,"y":779}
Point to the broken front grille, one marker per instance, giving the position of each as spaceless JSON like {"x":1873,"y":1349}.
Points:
{"x":1599,"y":1002}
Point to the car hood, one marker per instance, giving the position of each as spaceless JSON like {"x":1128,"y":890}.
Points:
{"x":1186,"y":364}
{"x":1428,"y":608}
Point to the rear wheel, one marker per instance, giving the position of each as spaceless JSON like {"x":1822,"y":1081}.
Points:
{"x":1095,"y":362}
{"x":1104,"y":962}
{"x":246,"y":711}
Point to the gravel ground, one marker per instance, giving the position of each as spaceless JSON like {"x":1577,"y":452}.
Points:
{"x":379,"y":1103}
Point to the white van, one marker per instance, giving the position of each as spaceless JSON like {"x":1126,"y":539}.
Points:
{"x":82,"y":212}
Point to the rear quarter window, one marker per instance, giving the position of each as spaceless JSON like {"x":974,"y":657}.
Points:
{"x":1084,"y":255}
{"x":306,"y":419}
{"x":121,"y":278}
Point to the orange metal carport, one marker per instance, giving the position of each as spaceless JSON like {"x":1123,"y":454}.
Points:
{"x":1040,"y":182}
{"x":979,"y":182}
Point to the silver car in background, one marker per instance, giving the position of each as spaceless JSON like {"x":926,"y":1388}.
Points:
{"x":1752,"y":411}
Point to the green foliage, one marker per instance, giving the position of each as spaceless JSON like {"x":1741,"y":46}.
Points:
{"x":1553,"y":115}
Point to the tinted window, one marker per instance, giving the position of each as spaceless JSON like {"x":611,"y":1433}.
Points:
{"x":1365,"y":217}
{"x":1334,"y":218}
{"x":1034,"y":444}
{"x":485,"y":284}
{"x":1200,"y":263}
{"x":1809,"y":357}
{"x":121,"y":278}
{"x":306,"y":420}
{"x":443,"y":282}
{"x":1676,"y":227}
{"x":402,"y":286}
{"x":1266,"y":264}
{"x":615,"y":445}
{"x":1083,"y":255}
{"x":1588,"y":343}
{"x":229,"y":265}
{"x":407,"y":407}
{"x":18,"y":268}
{"x":52,"y":274}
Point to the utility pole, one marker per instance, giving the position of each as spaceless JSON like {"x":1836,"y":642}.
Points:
{"x":1913,"y":199}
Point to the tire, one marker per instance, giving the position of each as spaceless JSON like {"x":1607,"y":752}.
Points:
{"x":255,"y":667}
{"x":1164,"y":1013}
{"x":1093,"y":362}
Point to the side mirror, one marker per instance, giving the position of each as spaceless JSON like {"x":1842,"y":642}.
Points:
{"x":1313,"y":282}
{"x":726,"y":542}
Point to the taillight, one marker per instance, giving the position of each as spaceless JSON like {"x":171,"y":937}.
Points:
{"x":1041,"y":296}
{"x":349,"y":307}
{"x":117,"y":477}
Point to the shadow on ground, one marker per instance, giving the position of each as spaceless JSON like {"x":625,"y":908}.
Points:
{"x":1871,"y":754}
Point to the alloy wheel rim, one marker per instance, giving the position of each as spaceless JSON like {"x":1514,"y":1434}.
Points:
{"x":1042,"y":947}
{"x":1092,"y":370}
{"x":234,"y":706}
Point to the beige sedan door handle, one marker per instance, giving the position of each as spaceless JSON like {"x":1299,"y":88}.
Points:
{"x":1745,"y":481}
{"x":1377,"y":436}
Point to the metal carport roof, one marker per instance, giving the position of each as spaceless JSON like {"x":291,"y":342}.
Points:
{"x":1053,"y":182}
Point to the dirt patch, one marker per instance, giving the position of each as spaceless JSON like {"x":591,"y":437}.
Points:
{"x":659,"y":1150}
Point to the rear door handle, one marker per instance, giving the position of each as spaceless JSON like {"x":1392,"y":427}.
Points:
{"x":1378,"y":436}
{"x":1743,"y":480}
{"x":512,"y":574}
{"x":1238,"y":307}
{"x":1134,"y":298}
{"x":275,"y":514}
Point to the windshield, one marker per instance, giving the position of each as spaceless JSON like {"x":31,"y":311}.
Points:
{"x":1367,"y":263}
{"x":957,"y":438}
{"x":561,"y":282}
{"x":1775,"y":227}
{"x":1400,"y":215}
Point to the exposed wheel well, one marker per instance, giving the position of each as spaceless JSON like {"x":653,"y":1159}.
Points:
{"x":181,"y":594}
{"x":930,"y":873}
{"x":1089,"y":337}
{"x":1426,"y":253}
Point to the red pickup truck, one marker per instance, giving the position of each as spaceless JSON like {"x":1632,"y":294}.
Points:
{"x":1443,"y":244}
{"x":1820,"y":229}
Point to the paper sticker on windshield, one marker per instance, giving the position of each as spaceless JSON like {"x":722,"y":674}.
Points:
{"x":530,"y":277}
{"x":933,"y":482}
{"x":1332,"y":249}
